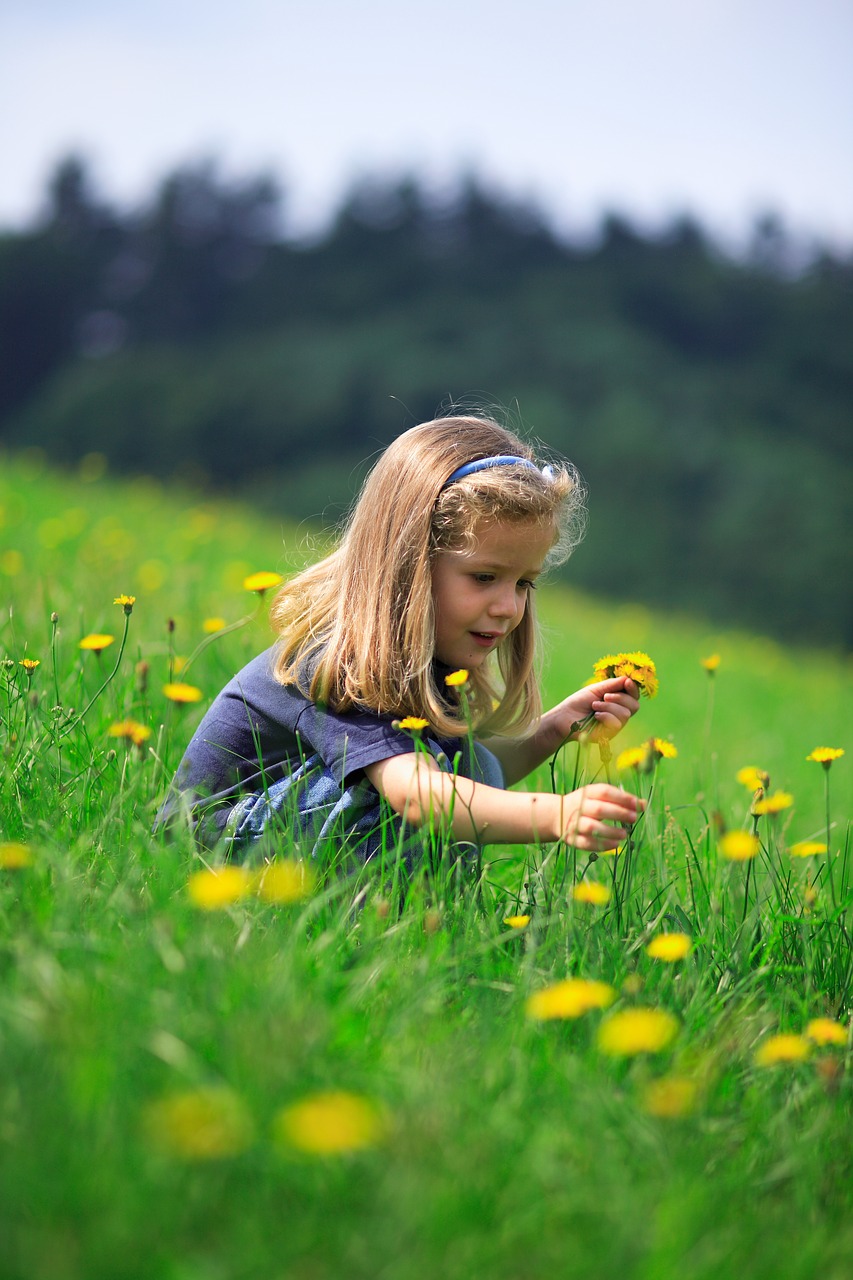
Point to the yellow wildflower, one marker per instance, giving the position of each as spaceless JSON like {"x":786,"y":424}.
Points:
{"x":669,"y":947}
{"x":825,"y":1031}
{"x":592,"y":892}
{"x":825,"y":755}
{"x":456,"y":678}
{"x":131,"y":730}
{"x":711,"y":663}
{"x":210,"y":1123}
{"x":644,"y":758}
{"x":738,"y":846}
{"x":14,"y":855}
{"x":631,"y":758}
{"x":415,"y":723}
{"x":637,"y":665}
{"x":211,"y":625}
{"x":773,"y":804}
{"x":29,"y":664}
{"x":219,"y":887}
{"x":669,"y":1097}
{"x":633,"y":1031}
{"x":126,"y":602}
{"x":262,"y":581}
{"x":284,"y":880}
{"x":782,"y":1048}
{"x":753,"y":778}
{"x":330,"y":1123}
{"x":178,"y":692}
{"x":570,"y":998}
{"x":517,"y":922}
{"x":807,"y":848}
{"x":96,"y":643}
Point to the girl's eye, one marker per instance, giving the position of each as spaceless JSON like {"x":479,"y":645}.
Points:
{"x":484,"y":577}
{"x":526,"y":584}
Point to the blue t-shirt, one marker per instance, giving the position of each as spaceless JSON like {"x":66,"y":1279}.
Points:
{"x":258,"y":732}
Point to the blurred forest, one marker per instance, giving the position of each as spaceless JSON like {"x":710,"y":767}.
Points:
{"x":707,"y":402}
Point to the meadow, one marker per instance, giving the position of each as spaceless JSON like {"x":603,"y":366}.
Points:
{"x":634,"y":1066}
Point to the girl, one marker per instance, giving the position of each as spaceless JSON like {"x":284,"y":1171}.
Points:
{"x":348,"y":732}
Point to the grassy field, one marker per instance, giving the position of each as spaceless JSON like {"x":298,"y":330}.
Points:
{"x":286,"y":1073}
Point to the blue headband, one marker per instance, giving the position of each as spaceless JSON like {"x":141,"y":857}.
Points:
{"x":500,"y":460}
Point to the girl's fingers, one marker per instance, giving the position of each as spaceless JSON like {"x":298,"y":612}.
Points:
{"x":595,"y":842}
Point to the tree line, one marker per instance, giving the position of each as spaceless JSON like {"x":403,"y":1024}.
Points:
{"x":707,"y":401}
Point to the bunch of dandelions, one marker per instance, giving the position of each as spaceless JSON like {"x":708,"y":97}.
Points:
{"x":637,"y":666}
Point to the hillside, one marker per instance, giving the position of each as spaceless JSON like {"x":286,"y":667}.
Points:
{"x":706,"y":402}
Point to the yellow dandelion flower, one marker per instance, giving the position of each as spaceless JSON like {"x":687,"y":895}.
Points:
{"x":219,"y":887}
{"x":126,"y":602}
{"x":570,"y":998}
{"x":738,"y":846}
{"x":807,"y":848}
{"x":773,"y":804}
{"x":633,"y":1031}
{"x":14,"y":855}
{"x":517,"y":922}
{"x":209,"y":1123}
{"x":415,"y":723}
{"x":131,"y":731}
{"x":332,"y":1123}
{"x":670,"y":947}
{"x":825,"y":1031}
{"x":178,"y":692}
{"x":456,"y":678}
{"x":29,"y":664}
{"x":753,"y":778}
{"x":262,"y":581}
{"x":590,"y":891}
{"x":782,"y":1048}
{"x":669,"y":1097}
{"x":825,"y":755}
{"x":96,"y":642}
{"x":637,"y":665}
{"x":631,"y":758}
{"x":711,"y":663}
{"x":284,"y":880}
{"x":211,"y":625}
{"x":644,"y":758}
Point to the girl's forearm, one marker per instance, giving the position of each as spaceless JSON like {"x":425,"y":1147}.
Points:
{"x":468,"y":810}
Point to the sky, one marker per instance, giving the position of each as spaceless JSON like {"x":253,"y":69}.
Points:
{"x":724,"y":109}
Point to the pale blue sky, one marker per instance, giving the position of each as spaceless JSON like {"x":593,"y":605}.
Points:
{"x":724,"y":108}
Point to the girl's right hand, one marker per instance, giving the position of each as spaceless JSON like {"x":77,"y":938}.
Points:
{"x":586,"y":815}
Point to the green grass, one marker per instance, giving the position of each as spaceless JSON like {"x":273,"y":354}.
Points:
{"x":507,"y":1147}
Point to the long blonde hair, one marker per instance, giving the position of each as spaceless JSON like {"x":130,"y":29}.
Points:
{"x":357,"y":630}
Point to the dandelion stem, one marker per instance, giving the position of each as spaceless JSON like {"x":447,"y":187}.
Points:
{"x":78,"y":718}
{"x":217,"y":635}
{"x":829,"y":870}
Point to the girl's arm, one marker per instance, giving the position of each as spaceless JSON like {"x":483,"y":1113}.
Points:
{"x":613,"y":702}
{"x":415,"y":787}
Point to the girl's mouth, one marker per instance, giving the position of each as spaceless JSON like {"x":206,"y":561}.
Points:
{"x":486,"y":638}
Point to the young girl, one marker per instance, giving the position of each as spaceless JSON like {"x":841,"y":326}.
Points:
{"x":434,"y":578}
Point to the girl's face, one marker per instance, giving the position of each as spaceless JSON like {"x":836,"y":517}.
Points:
{"x":480,"y":596}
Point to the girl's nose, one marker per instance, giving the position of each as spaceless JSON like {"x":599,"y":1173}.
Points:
{"x":505,"y":604}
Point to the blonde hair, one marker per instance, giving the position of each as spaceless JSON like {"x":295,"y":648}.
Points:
{"x":357,"y":630}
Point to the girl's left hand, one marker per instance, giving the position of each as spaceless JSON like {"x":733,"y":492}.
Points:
{"x":612,"y":702}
